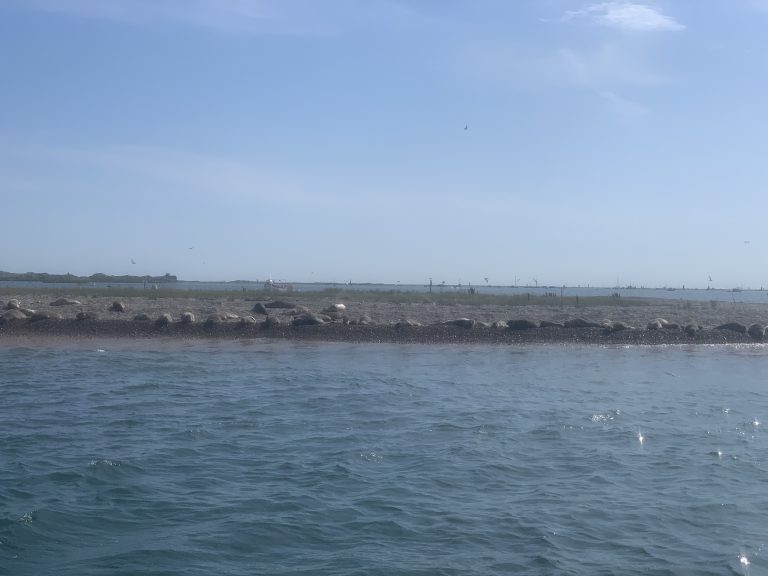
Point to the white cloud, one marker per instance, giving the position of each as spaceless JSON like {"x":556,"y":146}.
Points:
{"x":627,"y":16}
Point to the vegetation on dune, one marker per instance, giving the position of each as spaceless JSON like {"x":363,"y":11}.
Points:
{"x":478,"y":299}
{"x":341,"y":295}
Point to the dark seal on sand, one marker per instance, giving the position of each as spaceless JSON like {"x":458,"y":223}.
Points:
{"x":307,"y":320}
{"x":37,"y":316}
{"x":757,"y":331}
{"x":259,"y":308}
{"x":279,"y":304}
{"x":581,"y":323}
{"x":733,"y":326}
{"x":521,"y":324}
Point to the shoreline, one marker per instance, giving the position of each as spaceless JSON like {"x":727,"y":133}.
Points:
{"x":325,"y":319}
{"x":339,"y":333}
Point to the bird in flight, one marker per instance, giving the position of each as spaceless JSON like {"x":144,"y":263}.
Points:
{"x":466,"y":126}
{"x":133,"y":261}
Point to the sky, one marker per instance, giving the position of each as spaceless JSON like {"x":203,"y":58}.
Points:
{"x":557,"y":142}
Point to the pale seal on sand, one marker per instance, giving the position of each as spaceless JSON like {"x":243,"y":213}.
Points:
{"x":164,"y":319}
{"x":13,"y":315}
{"x":65,"y":302}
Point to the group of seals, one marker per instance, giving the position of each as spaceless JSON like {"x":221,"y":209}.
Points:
{"x":280,"y":313}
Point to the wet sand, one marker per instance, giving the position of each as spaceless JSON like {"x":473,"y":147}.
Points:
{"x":232,"y":317}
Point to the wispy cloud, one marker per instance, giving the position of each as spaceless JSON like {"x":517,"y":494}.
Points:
{"x":627,"y":16}
{"x":301,"y":17}
{"x":759,"y":4}
{"x":231,"y":15}
{"x":606,"y":66}
{"x":625,"y":110}
{"x":157,"y":171}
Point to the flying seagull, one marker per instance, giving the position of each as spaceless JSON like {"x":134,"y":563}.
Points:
{"x":466,"y":126}
{"x":133,"y":261}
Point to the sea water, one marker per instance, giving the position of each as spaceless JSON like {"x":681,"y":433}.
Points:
{"x":281,"y":458}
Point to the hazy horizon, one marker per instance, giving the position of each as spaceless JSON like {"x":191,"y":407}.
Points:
{"x":561,"y":142}
{"x":436,"y":282}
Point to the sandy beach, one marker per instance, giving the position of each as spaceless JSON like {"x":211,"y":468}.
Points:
{"x":310,"y":316}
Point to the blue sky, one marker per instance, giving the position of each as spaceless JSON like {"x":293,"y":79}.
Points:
{"x":325,"y":140}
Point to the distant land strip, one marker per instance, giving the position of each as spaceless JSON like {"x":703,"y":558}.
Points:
{"x":72,"y":279}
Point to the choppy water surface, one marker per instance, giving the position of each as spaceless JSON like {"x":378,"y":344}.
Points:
{"x":279,"y":458}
